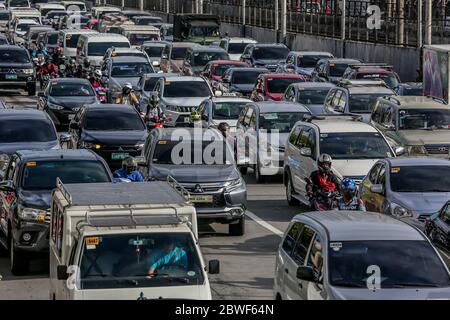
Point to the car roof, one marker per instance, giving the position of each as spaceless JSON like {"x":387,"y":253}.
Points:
{"x":237,"y":69}
{"x":230,"y":99}
{"x":200,"y":48}
{"x":70,"y":80}
{"x":313,"y":85}
{"x":313,"y":53}
{"x":110,"y":106}
{"x":129,"y":59}
{"x":91,"y":36}
{"x":358,"y":226}
{"x":269,"y":44}
{"x":184,"y":78}
{"x":241,"y":40}
{"x":281,"y":75}
{"x":417,"y":161}
{"x":372,"y":69}
{"x":76,"y":31}
{"x":23,"y":114}
{"x":125,"y":50}
{"x":69,"y":154}
{"x":343,"y":60}
{"x":284,"y":106}
{"x":160,"y":75}
{"x":342,"y":124}
{"x":172,"y":133}
{"x":227,"y":62}
{"x":369,"y":89}
{"x":417,"y":102}
{"x":184,"y":44}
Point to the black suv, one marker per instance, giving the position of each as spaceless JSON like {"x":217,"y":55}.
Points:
{"x":265,"y":55}
{"x":26,"y":192}
{"x":16,"y":69}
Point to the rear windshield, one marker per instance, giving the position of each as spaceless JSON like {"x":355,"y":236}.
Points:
{"x":72,"y":40}
{"x":420,"y":179}
{"x":279,"y":85}
{"x":309,"y":61}
{"x":245,"y":77}
{"x":30,"y":130}
{"x":337,"y":70}
{"x":312,"y":96}
{"x":271,"y":53}
{"x":52,"y":38}
{"x":116,"y":120}
{"x":14,"y":56}
{"x":363,"y":103}
{"x":236,"y":48}
{"x":99,"y":49}
{"x":138,"y":39}
{"x":178,"y":53}
{"x":202,"y":58}
{"x":154,"y":51}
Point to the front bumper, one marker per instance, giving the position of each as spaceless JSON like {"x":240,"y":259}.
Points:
{"x":39,"y":232}
{"x":61,"y":117}
{"x":107,"y":153}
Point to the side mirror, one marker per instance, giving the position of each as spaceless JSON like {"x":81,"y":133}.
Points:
{"x":7,"y":186}
{"x":61,"y":272}
{"x":65,"y":137}
{"x":399,"y":151}
{"x":4,"y":160}
{"x":155,"y":63}
{"x":307,"y":152}
{"x":225,"y":80}
{"x":306,"y":273}
{"x":218,"y":93}
{"x":214,"y":267}
{"x":74,"y":126}
{"x":377,"y":188}
{"x":205,"y":117}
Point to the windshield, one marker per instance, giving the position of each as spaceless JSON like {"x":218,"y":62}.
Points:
{"x":14,"y":56}
{"x":245,"y":77}
{"x":137,"y":39}
{"x":4,"y":15}
{"x":19,"y":3}
{"x":312,"y":96}
{"x":113,"y":120}
{"x":61,"y":89}
{"x":358,"y":145}
{"x":55,"y":14}
{"x":191,"y":89}
{"x":155,"y":51}
{"x":363,"y":103}
{"x":41,"y":175}
{"x":202,"y":58}
{"x":72,"y":40}
{"x":270,"y":53}
{"x":420,"y":179}
{"x":389,"y":78}
{"x":125,"y":261}
{"x":24,"y":27}
{"x":412,"y":91}
{"x":227,"y":110}
{"x":99,"y":49}
{"x":130,"y":69}
{"x":402,"y":263}
{"x":44,"y":12}
{"x":279,"y":85}
{"x":52,"y":38}
{"x":29,"y":130}
{"x":309,"y":61}
{"x":219,"y":69}
{"x":212,"y":31}
{"x":337,"y":70}
{"x":236,"y":48}
{"x":150,"y":83}
{"x":423,"y":119}
{"x":178,"y":53}
{"x":281,"y":121}
{"x":146,"y":21}
{"x":192,"y":152}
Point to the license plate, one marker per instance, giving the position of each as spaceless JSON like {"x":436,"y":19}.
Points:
{"x":186,"y":119}
{"x":119,"y":156}
{"x":201,"y":198}
{"x":11,"y":76}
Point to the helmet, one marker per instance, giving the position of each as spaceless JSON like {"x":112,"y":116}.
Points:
{"x":349,"y":187}
{"x":41,"y":45}
{"x":324,"y":162}
{"x":86,"y":63}
{"x":97,"y":73}
{"x":72,"y":62}
{"x":194,"y":117}
{"x":130,"y":164}
{"x":223,"y":127}
{"x":126,"y":89}
{"x":153,"y":101}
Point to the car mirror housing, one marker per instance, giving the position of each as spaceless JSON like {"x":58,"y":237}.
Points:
{"x":307,"y":152}
{"x":306,"y":273}
{"x":377,"y":188}
{"x":399,"y":150}
{"x":214,"y":267}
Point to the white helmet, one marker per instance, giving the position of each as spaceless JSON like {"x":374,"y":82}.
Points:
{"x":98,"y":73}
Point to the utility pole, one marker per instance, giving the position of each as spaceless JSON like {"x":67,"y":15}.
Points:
{"x":401,"y":23}
{"x":244,"y":4}
{"x":428,"y":21}
{"x":343,"y":20}
{"x":283,"y":21}
{"x":276,"y":18}
{"x":419,"y":23}
{"x":141,"y":5}
{"x":167,"y":7}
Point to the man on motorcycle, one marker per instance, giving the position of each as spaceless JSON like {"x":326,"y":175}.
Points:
{"x":195,"y":119}
{"x":83,"y":69}
{"x":71,"y":68}
{"x":128,"y":96}
{"x":349,"y":200}
{"x":50,"y":68}
{"x":129,"y":170}
{"x":40,"y":49}
{"x":154,"y":112}
{"x":96,"y":79}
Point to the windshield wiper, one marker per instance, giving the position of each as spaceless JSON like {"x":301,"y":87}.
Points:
{"x":165,"y":276}
{"x":349,"y":285}
{"x":412,"y":284}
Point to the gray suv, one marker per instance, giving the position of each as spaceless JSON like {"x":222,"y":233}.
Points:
{"x":203,"y":163}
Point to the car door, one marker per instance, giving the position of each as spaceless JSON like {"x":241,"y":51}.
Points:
{"x":306,"y":140}
{"x":389,"y":126}
{"x":442,"y":225}
{"x":328,"y":100}
{"x":291,"y":161}
{"x":242,"y":143}
{"x":292,"y":285}
{"x":7,"y":197}
{"x":367,"y":196}
{"x":253,"y":135}
{"x":314,"y":290}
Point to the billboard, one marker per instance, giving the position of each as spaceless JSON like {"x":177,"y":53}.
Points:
{"x":435,"y":73}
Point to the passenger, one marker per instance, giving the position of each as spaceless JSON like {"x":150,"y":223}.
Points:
{"x":129,"y":170}
{"x":323,"y":179}
{"x":173,"y":257}
{"x":349,"y":199}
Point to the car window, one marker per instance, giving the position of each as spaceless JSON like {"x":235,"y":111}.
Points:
{"x":336,"y":98}
{"x":307,"y":139}
{"x":330,"y":97}
{"x":340,"y":103}
{"x":290,"y":94}
{"x":295,"y":134}
{"x":253,"y":121}
{"x":303,"y":244}
{"x":387,"y":117}
{"x":290,"y":59}
{"x":315,"y":257}
{"x":381,"y":179}
{"x":248,"y":116}
{"x":373,"y":175}
{"x":445,"y":215}
{"x":291,"y":237}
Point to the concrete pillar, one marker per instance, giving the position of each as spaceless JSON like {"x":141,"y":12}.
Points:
{"x":243,"y":12}
{"x":419,"y":23}
{"x":276,"y":17}
{"x":428,"y":21}
{"x":167,"y":6}
{"x":283,"y":20}
{"x":343,"y":13}
{"x":123,"y":4}
{"x":141,"y":5}
{"x":401,"y":22}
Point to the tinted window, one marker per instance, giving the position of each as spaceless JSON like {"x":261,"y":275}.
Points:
{"x":202,"y":58}
{"x":292,"y":236}
{"x":154,"y":51}
{"x":412,"y":91}
{"x":362,"y":103}
{"x":179,"y":89}
{"x":13,"y":56}
{"x":236,"y":48}
{"x":150,"y":84}
{"x":270,"y":53}
{"x":402,"y":264}
{"x":138,"y":39}
{"x":245,"y":77}
{"x":30,"y":130}
{"x":4,"y":15}
{"x":414,"y":119}
{"x":130,"y":69}
{"x":389,"y":78}
{"x":52,"y":38}
{"x":303,"y":245}
{"x":420,"y":179}
{"x":99,"y":48}
{"x":361,"y":145}
{"x":55,"y":14}
{"x":337,"y":70}
{"x":61,"y":89}
{"x":72,"y":40}
{"x":19,"y":3}
{"x":113,"y":120}
{"x":227,"y":110}
{"x":312,"y":96}
{"x":281,"y":121}
{"x":279,"y":85}
{"x":308,"y":61}
{"x":178,"y":53}
{"x":219,"y":69}
{"x":41,"y":175}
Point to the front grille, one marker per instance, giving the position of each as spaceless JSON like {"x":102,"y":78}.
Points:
{"x":207,"y":187}
{"x":218,"y":201}
{"x":437,"y":149}
{"x":122,"y":148}
{"x":215,"y":189}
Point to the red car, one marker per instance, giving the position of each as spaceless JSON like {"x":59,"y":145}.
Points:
{"x":271,"y":86}
{"x":93,"y":24}
{"x":215,"y":69}
{"x":373,"y":71}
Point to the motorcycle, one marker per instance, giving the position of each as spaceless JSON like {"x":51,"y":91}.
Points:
{"x":100,"y":91}
{"x":323,"y":200}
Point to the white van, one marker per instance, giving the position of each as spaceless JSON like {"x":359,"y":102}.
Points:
{"x":45,"y":8}
{"x":15,"y":4}
{"x":68,"y":40}
{"x":126,"y":241}
{"x":94,"y":46}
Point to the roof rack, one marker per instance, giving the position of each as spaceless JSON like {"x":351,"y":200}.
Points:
{"x":362,"y":65}
{"x":349,"y":116}
{"x":361,"y":83}
{"x":393,"y":99}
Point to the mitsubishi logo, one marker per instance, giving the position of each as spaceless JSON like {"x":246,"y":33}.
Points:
{"x":120,"y":149}
{"x":12,"y":71}
{"x":198,"y":189}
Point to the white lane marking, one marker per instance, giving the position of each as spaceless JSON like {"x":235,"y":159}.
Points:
{"x":264,"y":224}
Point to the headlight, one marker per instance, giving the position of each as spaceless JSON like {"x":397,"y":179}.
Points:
{"x":233,"y":184}
{"x":54,"y":106}
{"x":32,"y":214}
{"x":89,"y":145}
{"x":399,"y":211}
{"x":27,"y":71}
{"x":416,"y":150}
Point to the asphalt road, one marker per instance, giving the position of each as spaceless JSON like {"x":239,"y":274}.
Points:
{"x":247,"y":262}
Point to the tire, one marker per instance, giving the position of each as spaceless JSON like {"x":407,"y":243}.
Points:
{"x":237,"y":229}
{"x":19,"y":262}
{"x":32,"y":89}
{"x":259,"y":178}
{"x":290,"y":199}
{"x":243,"y":170}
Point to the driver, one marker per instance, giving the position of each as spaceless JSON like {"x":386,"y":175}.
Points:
{"x":40,"y":49}
{"x":172,"y":257}
{"x":323,"y":179}
{"x":129,"y":170}
{"x":349,"y":199}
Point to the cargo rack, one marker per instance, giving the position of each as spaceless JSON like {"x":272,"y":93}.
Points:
{"x":348,"y":116}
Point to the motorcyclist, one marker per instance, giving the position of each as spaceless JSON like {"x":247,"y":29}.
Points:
{"x":224,"y":128}
{"x":128,"y":96}
{"x":50,"y":68}
{"x":71,"y":68}
{"x":129,"y":170}
{"x":154,"y":112}
{"x":349,"y":200}
{"x":96,"y":79}
{"x":58,"y":55}
{"x":40,"y":49}
{"x":83,"y":69}
{"x":323,"y":179}
{"x":195,"y":119}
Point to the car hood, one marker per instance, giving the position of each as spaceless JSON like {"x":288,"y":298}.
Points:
{"x":10,"y":148}
{"x":390,"y":294}
{"x":356,"y":168}
{"x":419,"y":137}
{"x":244,"y":88}
{"x":421,"y":202}
{"x":124,"y":137}
{"x":306,"y":71}
{"x":121,"y":81}
{"x":185,"y":102}
{"x":72,"y":102}
{"x":39,"y":199}
{"x":195,"y":173}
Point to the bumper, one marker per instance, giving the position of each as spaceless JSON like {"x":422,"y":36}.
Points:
{"x":61,"y":117}
{"x":177,"y":118}
{"x":39,"y":232}
{"x":20,"y":82}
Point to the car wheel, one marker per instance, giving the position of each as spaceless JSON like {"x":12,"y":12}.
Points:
{"x":32,"y":89}
{"x":259,"y":178}
{"x":237,"y":229}
{"x":290,"y":199}
{"x":243,"y":170}
{"x":19,"y":263}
